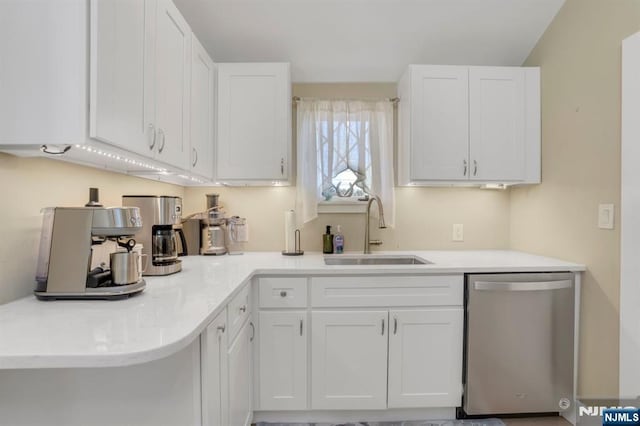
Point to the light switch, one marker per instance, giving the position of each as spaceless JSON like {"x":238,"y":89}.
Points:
{"x":606,"y":214}
{"x":458,"y":232}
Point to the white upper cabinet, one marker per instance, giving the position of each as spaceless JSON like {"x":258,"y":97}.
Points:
{"x":253,"y":143}
{"x":439,"y":146}
{"x":106,"y":82}
{"x":461,"y":124}
{"x":173,"y":57}
{"x":121,"y":96}
{"x":202,"y":110}
{"x":43,"y":72}
{"x":497,"y":120}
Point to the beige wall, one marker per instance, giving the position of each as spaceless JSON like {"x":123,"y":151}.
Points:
{"x":424,"y":218}
{"x":424,"y":215}
{"x":580,"y":59}
{"x":27,"y":185}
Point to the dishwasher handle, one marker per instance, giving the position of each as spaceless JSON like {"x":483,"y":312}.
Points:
{"x":521,"y":285}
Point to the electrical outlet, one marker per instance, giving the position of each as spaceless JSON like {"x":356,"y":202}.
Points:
{"x":458,"y":232}
{"x":605,"y":216}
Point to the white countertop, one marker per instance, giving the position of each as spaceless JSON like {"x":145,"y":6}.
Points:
{"x":173,"y":310}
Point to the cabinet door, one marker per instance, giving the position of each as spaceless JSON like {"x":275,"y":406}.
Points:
{"x":425,"y":358}
{"x":240,"y":377}
{"x":201,"y":114}
{"x":43,"y":72}
{"x":121,"y":111}
{"x":497,"y":123}
{"x":254,"y":122}
{"x":283,"y":360}
{"x":173,"y":50}
{"x":215,"y":390}
{"x":349,"y":363}
{"x":439,"y":123}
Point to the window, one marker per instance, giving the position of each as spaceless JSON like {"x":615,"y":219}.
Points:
{"x":345,"y":159}
{"x":345,"y":153}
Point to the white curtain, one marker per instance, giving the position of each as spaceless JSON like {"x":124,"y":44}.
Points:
{"x":335,"y":135}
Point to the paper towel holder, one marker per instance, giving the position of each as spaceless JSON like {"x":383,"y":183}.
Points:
{"x":297,"y":249}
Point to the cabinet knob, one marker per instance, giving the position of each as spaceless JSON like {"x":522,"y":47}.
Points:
{"x":283,"y":293}
{"x":243,"y":308}
{"x":222,"y":328}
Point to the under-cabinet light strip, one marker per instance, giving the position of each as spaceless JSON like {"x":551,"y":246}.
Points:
{"x":121,"y":158}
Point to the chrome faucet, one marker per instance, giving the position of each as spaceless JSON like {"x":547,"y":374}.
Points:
{"x":367,"y":242}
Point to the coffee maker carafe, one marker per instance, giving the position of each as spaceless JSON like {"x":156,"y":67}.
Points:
{"x":162,"y":225}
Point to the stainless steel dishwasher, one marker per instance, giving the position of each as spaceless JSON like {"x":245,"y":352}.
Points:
{"x":519,"y":334}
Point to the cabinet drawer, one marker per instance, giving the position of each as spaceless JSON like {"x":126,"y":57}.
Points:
{"x":429,"y":290}
{"x":238,"y":310}
{"x":283,"y":292}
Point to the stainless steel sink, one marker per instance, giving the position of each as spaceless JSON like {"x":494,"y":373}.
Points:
{"x":375,"y":259}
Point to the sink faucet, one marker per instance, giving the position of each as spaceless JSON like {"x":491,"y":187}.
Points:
{"x":367,"y":242}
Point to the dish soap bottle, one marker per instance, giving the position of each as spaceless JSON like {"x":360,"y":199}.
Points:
{"x":327,"y":241}
{"x":338,"y":241}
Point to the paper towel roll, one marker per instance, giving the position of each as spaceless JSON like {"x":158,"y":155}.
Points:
{"x":290,"y":231}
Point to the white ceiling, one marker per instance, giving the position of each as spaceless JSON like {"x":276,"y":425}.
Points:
{"x":368,"y":40}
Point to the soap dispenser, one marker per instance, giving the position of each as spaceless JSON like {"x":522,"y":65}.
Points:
{"x":327,"y":241}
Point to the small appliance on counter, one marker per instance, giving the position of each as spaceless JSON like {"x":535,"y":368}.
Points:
{"x":213,"y":228}
{"x":79,"y":254}
{"x":162,"y":225}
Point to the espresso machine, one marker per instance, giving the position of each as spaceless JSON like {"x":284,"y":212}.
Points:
{"x":85,"y":253}
{"x":162,"y":225}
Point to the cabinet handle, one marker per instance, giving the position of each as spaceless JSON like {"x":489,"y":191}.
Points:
{"x":301,"y":327}
{"x":161,"y":147}
{"x":383,"y":326}
{"x":282,"y":166}
{"x":195,"y":155}
{"x":253,"y":331}
{"x":475,"y":167}
{"x":283,"y":293}
{"x":243,"y":308}
{"x":395,"y":325}
{"x":464,"y":173}
{"x":152,"y":143}
{"x":222,"y":328}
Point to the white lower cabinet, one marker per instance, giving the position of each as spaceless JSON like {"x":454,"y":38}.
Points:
{"x":354,"y":343}
{"x":241,"y":377}
{"x":349,"y":364}
{"x":425,"y":357}
{"x":283,"y":360}
{"x":215,"y":391}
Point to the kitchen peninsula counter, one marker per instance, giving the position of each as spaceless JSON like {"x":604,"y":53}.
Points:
{"x":173,"y":310}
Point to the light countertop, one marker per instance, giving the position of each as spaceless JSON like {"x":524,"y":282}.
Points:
{"x":173,"y":310}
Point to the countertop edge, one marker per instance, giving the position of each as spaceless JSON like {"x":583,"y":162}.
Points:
{"x":164,"y":350}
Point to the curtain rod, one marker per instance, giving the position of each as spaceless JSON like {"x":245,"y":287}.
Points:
{"x":392,"y":100}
